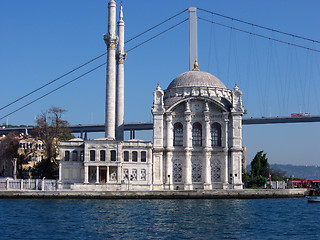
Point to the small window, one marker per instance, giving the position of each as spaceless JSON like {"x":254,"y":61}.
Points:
{"x":126,"y":156}
{"x":134,"y":156}
{"x":82,"y":156}
{"x":92,"y":155}
{"x":74,"y":156}
{"x":102,"y":155}
{"x":143,"y":156}
{"x":113,"y":155}
{"x":67,"y":155}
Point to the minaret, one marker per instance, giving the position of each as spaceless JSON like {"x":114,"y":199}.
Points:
{"x":111,"y":41}
{"x":121,"y":56}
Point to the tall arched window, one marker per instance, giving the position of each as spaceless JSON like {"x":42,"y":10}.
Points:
{"x":92,"y":155}
{"x":113,"y":155}
{"x":102,"y":155}
{"x":178,"y":134}
{"x":216,"y":135}
{"x":134,"y":156}
{"x":143,"y":156}
{"x":74,"y":155}
{"x":196,"y":134}
{"x":67,"y":155}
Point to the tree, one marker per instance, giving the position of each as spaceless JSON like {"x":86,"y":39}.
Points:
{"x":259,"y":170}
{"x":50,"y":129}
{"x":260,"y":165}
{"x":10,"y":151}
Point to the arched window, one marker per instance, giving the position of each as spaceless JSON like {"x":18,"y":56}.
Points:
{"x":196,"y":134}
{"x":216,"y":135}
{"x":102,"y":155}
{"x":74,"y":155}
{"x":113,"y":155}
{"x":134,"y":156}
{"x":126,"y":156}
{"x":178,"y":134}
{"x":92,"y":155}
{"x":67,"y":155}
{"x":143,"y":156}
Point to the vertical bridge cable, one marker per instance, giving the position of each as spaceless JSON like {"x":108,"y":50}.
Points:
{"x":259,"y":26}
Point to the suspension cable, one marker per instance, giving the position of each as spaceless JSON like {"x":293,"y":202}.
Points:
{"x":84,"y":64}
{"x":259,"y":35}
{"x":158,"y":34}
{"x":256,"y":25}
{"x":67,"y":83}
{"x":156,"y":26}
{"x":89,"y":71}
{"x":39,"y":88}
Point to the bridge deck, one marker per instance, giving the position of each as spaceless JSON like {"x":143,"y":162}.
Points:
{"x":149,"y":125}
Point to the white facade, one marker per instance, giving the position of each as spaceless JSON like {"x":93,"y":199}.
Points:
{"x":197,"y":136}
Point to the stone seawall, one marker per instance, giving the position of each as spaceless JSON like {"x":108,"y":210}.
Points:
{"x":198,"y":194}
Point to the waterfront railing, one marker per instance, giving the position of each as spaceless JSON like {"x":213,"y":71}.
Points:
{"x":28,"y":184}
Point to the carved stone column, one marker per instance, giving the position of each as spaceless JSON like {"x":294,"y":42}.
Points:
{"x":86,"y":174}
{"x":207,"y":170}
{"x":169,"y":132}
{"x":207,"y":149}
{"x":97,"y":174}
{"x":188,"y":171}
{"x":169,"y":176}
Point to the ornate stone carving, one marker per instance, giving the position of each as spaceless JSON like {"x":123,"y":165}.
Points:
{"x":111,"y":40}
{"x":177,"y":171}
{"x":143,"y":174}
{"x":215,"y":171}
{"x":196,"y":171}
{"x":134,"y":174}
{"x":113,"y":175}
{"x":121,"y":56}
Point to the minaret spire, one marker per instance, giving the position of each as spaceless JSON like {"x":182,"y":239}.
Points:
{"x":111,"y":40}
{"x":121,"y":56}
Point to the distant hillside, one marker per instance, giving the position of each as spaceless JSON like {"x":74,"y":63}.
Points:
{"x":307,"y":172}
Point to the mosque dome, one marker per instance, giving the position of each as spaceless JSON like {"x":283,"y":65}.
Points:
{"x":196,"y":78}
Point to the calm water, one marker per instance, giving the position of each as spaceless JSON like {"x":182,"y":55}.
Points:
{"x":160,"y":219}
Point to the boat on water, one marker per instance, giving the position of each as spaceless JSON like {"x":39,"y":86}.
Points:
{"x":313,"y":198}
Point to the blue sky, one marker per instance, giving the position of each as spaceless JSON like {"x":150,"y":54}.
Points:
{"x":41,"y":40}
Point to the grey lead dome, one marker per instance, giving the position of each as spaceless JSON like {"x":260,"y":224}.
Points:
{"x":196,"y":79}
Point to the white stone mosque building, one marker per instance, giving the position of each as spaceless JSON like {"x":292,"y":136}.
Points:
{"x":197,"y":134}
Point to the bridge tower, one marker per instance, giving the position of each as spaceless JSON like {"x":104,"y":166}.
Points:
{"x":193,"y":37}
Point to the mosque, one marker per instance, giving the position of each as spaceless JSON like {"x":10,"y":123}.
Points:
{"x":197,"y":134}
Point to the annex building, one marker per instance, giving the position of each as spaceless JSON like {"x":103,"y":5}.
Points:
{"x":197,"y":134}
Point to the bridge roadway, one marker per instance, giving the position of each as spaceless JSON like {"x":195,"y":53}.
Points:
{"x":132,"y":127}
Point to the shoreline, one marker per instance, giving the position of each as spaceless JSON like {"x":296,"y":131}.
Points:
{"x":192,"y":194}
